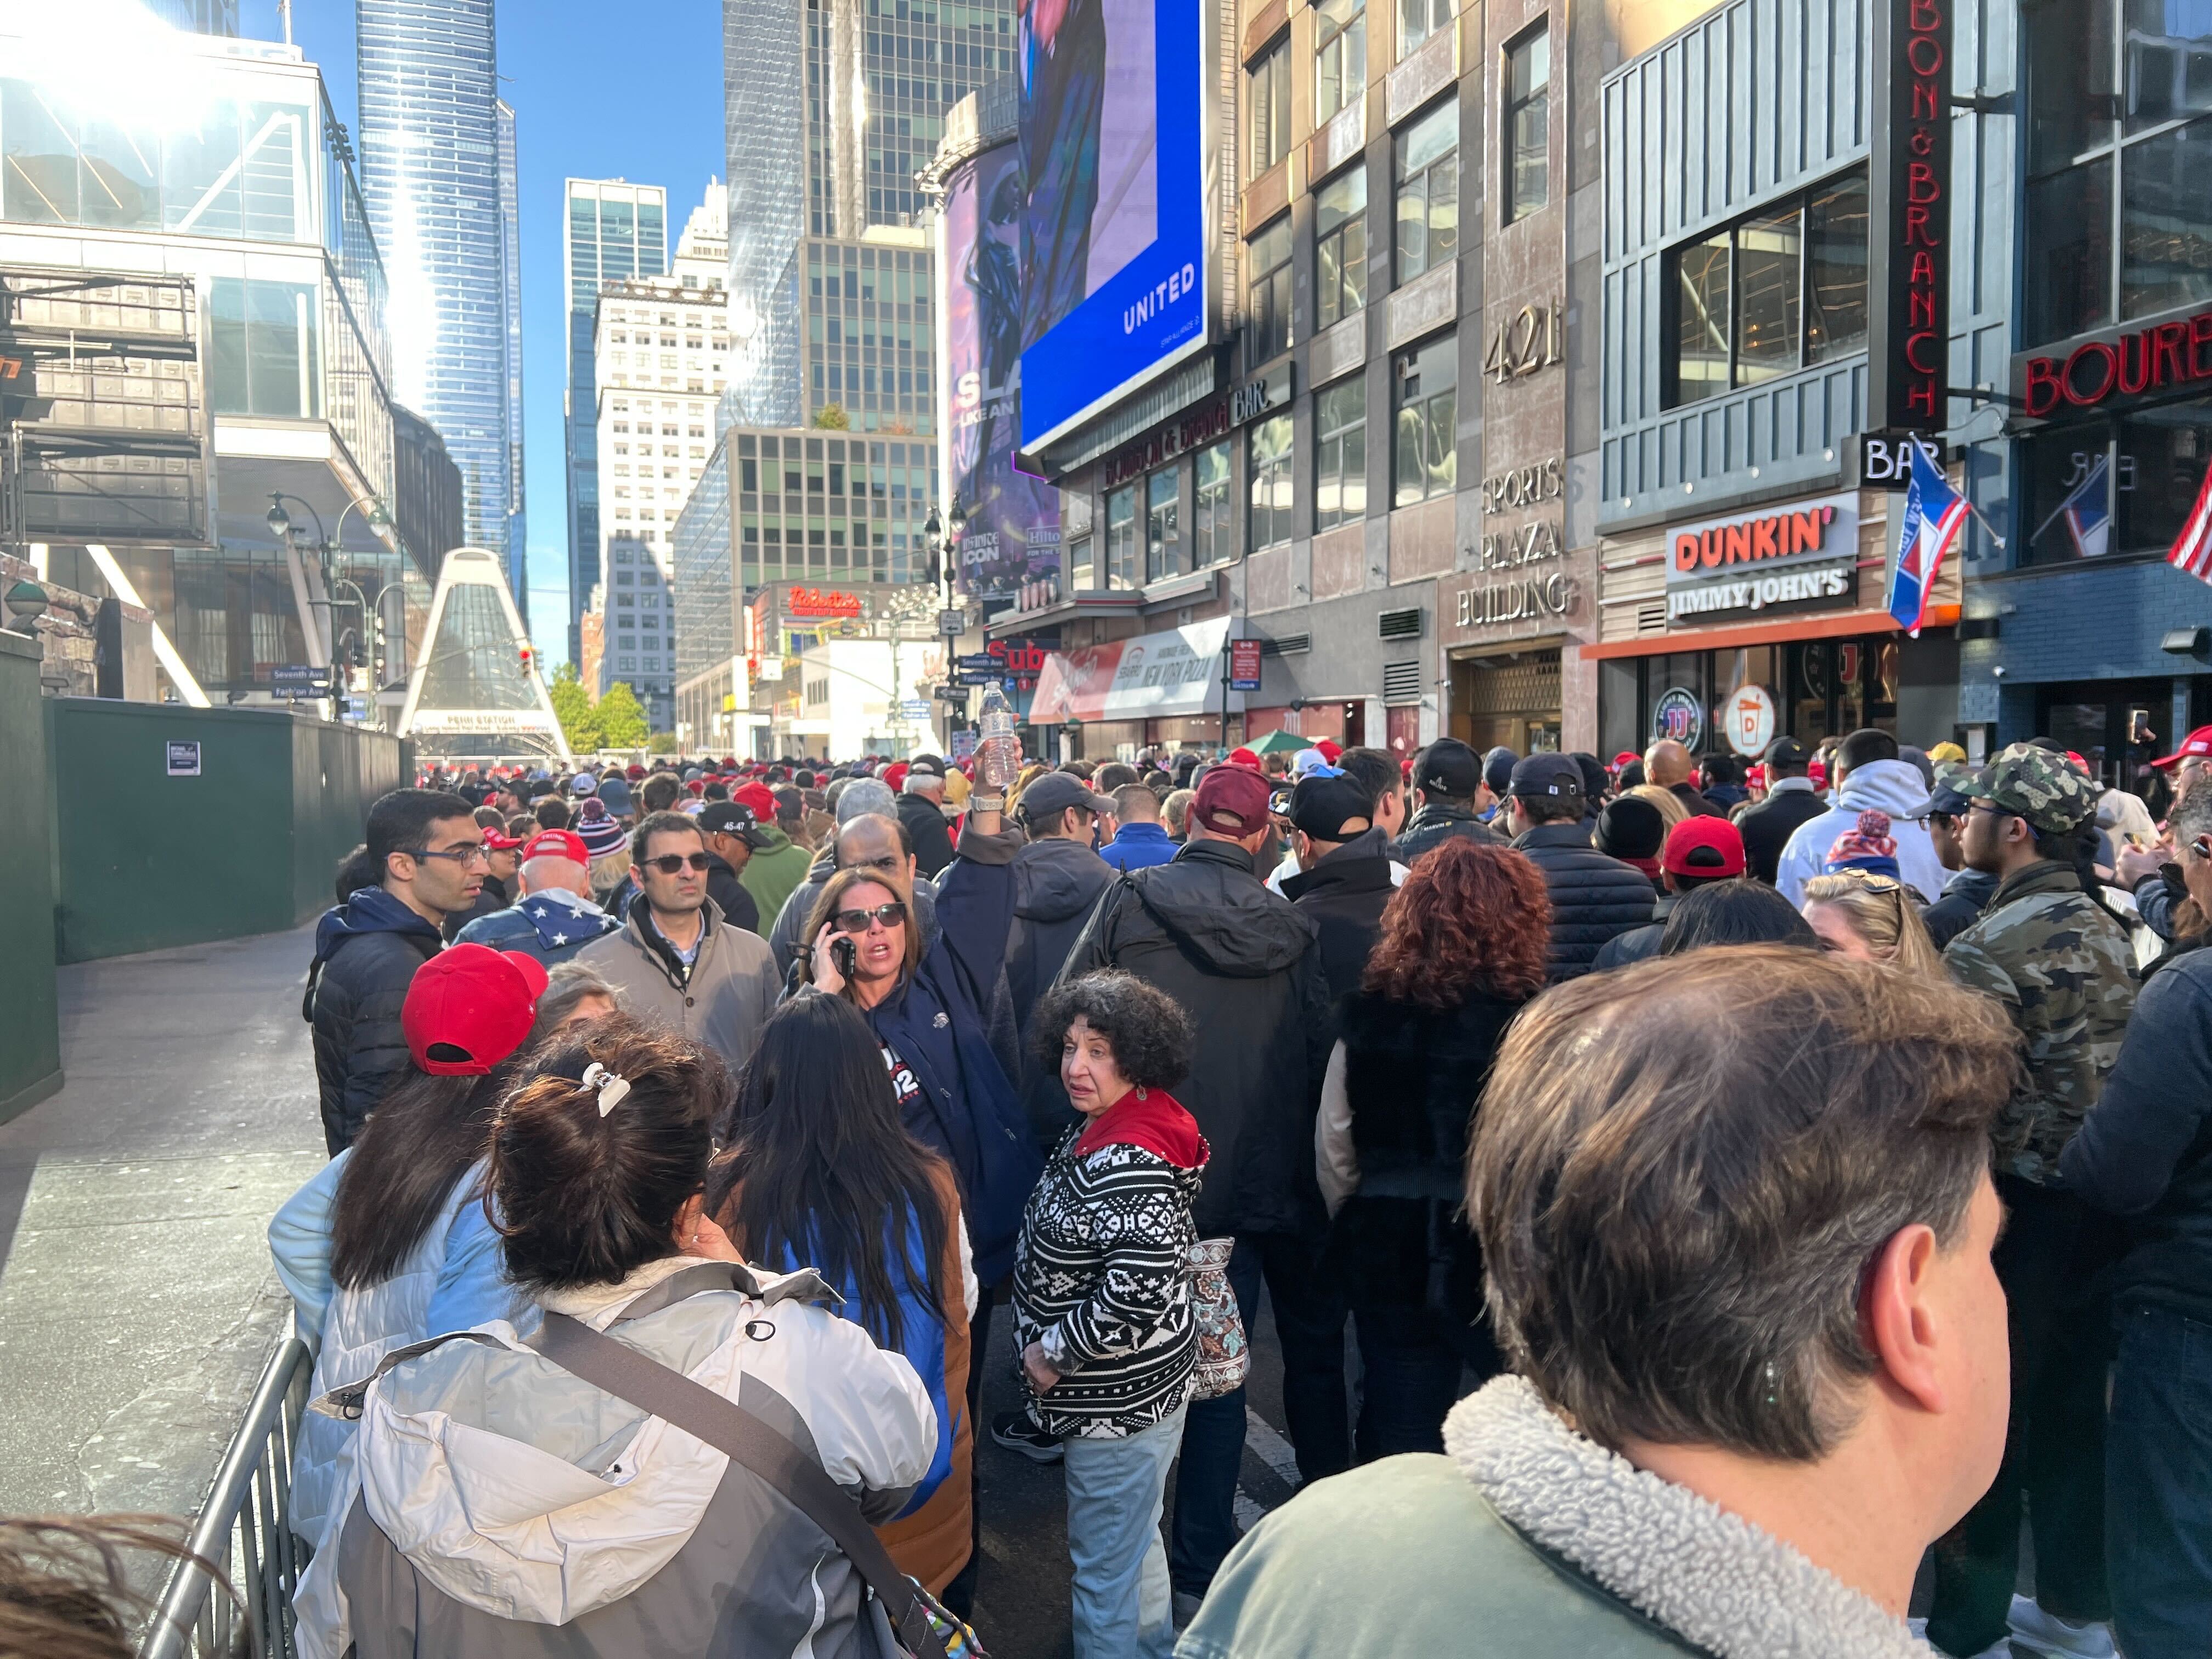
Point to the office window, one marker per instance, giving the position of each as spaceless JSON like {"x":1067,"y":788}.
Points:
{"x":1213,"y":533}
{"x":1427,"y":394}
{"x":1162,"y":526}
{"x":1339,"y":56}
{"x":1270,"y":468}
{"x":1427,"y":166}
{"x":1340,"y":454}
{"x":1121,"y":537}
{"x":1528,"y":122}
{"x":1780,"y":291}
{"x":261,"y":348}
{"x":1267,"y":89}
{"x":2120,"y":125}
{"x":1340,"y":242}
{"x":1419,"y":19}
{"x":1267,"y":294}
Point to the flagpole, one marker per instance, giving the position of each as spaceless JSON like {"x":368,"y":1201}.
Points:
{"x":1991,"y":529}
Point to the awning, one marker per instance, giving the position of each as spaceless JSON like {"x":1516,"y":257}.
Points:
{"x":1150,"y":677}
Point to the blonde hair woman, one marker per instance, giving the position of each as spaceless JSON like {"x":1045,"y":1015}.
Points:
{"x":1670,"y":805}
{"x":1858,"y":912}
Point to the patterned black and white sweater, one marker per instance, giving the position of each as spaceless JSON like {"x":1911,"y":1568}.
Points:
{"x":1100,"y":1276}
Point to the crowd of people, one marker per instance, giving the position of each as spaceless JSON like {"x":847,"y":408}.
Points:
{"x":1737,"y":1182}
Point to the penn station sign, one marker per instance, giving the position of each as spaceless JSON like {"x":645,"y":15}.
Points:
{"x":1803,"y":556}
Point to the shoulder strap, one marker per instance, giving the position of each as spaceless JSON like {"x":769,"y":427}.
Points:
{"x":619,"y":1369}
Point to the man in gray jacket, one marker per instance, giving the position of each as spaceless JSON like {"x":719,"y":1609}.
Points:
{"x":676,"y":958}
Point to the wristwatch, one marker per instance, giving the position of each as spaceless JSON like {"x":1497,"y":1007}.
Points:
{"x":987,"y":803}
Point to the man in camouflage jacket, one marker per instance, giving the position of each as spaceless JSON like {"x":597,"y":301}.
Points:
{"x":2060,"y":965}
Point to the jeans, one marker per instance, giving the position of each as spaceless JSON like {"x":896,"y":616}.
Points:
{"x":1310,"y":1324}
{"x":1412,"y":1380}
{"x":1123,"y":1609}
{"x":2054,"y":1455}
{"x":2158,"y":1485}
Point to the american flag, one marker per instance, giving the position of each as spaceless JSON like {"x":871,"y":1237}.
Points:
{"x":2192,"y":548}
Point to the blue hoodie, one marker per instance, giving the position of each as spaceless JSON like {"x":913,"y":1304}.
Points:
{"x":367,"y":950}
{"x":1138,"y":847}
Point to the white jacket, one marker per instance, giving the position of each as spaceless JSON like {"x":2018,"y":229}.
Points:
{"x":520,"y":1496}
{"x":1890,"y":785}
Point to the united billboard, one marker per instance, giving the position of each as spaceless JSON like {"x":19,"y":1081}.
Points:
{"x":1117,"y":226}
{"x":1011,"y":528}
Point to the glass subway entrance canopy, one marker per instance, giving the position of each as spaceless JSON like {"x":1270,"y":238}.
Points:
{"x":476,"y":694}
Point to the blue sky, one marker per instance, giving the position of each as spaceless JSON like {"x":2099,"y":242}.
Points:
{"x":598,"y":93}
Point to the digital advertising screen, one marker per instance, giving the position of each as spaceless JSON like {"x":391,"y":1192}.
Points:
{"x":1117,"y":159}
{"x":1011,"y":529}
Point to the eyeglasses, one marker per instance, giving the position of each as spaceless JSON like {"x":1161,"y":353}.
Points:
{"x":474,"y":852}
{"x":673,"y":863}
{"x":892,"y":914}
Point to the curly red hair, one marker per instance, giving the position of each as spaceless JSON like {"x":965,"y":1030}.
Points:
{"x":1471,"y":919}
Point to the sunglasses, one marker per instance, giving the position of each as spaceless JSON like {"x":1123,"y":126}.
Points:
{"x":892,"y":914}
{"x":671,"y":864}
{"x":1874,"y":882}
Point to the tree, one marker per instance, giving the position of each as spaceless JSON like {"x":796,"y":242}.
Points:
{"x":622,"y":724}
{"x":832,"y":417}
{"x":661,"y":742}
{"x":581,"y":723}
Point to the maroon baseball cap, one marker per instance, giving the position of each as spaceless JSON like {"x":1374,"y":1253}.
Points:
{"x":1703,"y":846}
{"x":1231,"y":801}
{"x":468,"y":1007}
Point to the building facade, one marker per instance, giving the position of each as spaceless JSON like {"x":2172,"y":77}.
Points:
{"x":431,"y":168}
{"x":516,"y":540}
{"x":613,"y":231}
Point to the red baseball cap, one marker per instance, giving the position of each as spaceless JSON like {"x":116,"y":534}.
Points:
{"x":893,"y":775}
{"x":2198,"y":742}
{"x":1244,"y":757}
{"x":1624,"y":758}
{"x":759,"y":797}
{"x":498,"y":841}
{"x":1703,"y":846}
{"x":468,"y":1007}
{"x":1231,"y":801}
{"x":1330,"y":751}
{"x":556,"y":844}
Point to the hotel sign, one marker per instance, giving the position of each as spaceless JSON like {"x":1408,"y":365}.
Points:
{"x":1910,"y":234}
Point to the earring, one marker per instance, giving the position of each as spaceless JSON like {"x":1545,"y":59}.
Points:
{"x":1141,"y":1093}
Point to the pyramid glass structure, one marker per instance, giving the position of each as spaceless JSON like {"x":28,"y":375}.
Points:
{"x":476,"y":694}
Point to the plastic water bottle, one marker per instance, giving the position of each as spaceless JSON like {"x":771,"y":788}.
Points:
{"x":998,"y":752}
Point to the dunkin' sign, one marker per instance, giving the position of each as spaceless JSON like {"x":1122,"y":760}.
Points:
{"x":1798,"y":533}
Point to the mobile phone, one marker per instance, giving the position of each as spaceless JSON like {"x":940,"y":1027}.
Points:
{"x":841,"y":954}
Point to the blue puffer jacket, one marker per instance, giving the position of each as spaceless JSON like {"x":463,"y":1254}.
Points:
{"x":969,"y":1114}
{"x":367,"y":950}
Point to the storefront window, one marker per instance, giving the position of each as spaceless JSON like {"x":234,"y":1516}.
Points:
{"x":1340,"y":240}
{"x":1162,"y":526}
{"x":1267,"y":299}
{"x":1212,"y":530}
{"x":2148,"y":63}
{"x":1784,"y":290}
{"x":1427,"y":394}
{"x":1339,"y":57}
{"x":1121,"y":537}
{"x":1272,"y":493}
{"x":1427,"y":155}
{"x":2111,"y":488}
{"x":1340,"y":454}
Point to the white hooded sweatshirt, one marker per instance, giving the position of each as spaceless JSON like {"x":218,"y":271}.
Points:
{"x":1893,"y":787}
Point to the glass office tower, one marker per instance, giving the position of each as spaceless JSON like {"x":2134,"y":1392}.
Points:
{"x":616,"y":231}
{"x":430,"y":170}
{"x":200,"y":16}
{"x":516,"y":539}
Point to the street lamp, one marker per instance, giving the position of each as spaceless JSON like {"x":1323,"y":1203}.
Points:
{"x":27,"y":603}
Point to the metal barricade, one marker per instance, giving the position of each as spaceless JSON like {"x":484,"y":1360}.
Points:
{"x":244,"y":1533}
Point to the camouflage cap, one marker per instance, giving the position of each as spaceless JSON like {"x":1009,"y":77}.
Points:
{"x":1954,"y":787}
{"x":2048,"y":790}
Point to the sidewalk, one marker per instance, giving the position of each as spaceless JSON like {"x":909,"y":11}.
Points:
{"x":138,"y":1305}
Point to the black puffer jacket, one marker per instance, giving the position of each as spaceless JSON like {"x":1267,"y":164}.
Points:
{"x":1412,"y":1077}
{"x":367,"y":950}
{"x":493,"y":896}
{"x":1056,"y":886}
{"x":1243,"y":963}
{"x":1961,"y":907}
{"x":1344,"y":895}
{"x":1593,"y":897}
{"x":1767,"y":827}
{"x":1434,"y":824}
{"x":931,"y":835}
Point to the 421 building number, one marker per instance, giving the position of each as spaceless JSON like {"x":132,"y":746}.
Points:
{"x":1531,"y":340}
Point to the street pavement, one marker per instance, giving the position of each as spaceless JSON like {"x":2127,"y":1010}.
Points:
{"x":138,"y":1305}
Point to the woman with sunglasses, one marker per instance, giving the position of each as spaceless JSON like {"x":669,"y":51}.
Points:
{"x":1859,"y":907}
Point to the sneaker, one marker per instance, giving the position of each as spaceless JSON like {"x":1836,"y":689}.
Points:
{"x":2002,"y":1649}
{"x":1014,"y":1431}
{"x":2049,"y":1636}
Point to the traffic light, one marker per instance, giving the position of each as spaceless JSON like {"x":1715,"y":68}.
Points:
{"x":529,"y":658}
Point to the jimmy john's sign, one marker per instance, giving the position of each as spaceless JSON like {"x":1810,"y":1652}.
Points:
{"x":1801,"y":556}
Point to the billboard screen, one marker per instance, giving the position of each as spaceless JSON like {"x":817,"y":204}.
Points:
{"x":1012,"y":530}
{"x":1116,"y":156}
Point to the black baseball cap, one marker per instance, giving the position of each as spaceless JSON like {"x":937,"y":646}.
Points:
{"x":1055,"y":792}
{"x":1321,"y":807}
{"x":1448,"y":766}
{"x":928,"y":765}
{"x":733,"y":817}
{"x":1559,"y":776}
{"x":1787,"y":751}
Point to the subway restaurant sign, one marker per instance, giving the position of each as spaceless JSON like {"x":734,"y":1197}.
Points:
{"x":1801,"y":556}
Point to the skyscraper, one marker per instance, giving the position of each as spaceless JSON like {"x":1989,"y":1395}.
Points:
{"x":200,"y":16}
{"x":827,"y":113}
{"x":517,"y":542}
{"x":615,"y":232}
{"x":430,"y":168}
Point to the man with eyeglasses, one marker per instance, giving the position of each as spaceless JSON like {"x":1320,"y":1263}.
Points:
{"x":678,"y":958}
{"x":2060,"y":967}
{"x":429,"y":852}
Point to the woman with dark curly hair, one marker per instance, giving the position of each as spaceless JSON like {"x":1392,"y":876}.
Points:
{"x":1463,"y":946}
{"x":1102,"y":1317}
